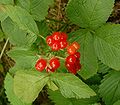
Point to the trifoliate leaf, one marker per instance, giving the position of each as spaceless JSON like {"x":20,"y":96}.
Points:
{"x":17,"y":36}
{"x":110,"y":88}
{"x":89,"y":13}
{"x":28,"y":84}
{"x":107,"y":45}
{"x":14,"y":100}
{"x":37,"y":8}
{"x":88,"y":57}
{"x":22,"y":18}
{"x":58,"y":99}
{"x":71,"y":86}
{"x":24,"y":58}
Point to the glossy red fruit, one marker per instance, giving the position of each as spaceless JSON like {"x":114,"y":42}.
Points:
{"x":71,"y":59}
{"x":40,"y":64}
{"x":77,"y":55}
{"x":71,"y":50}
{"x":76,"y":45}
{"x":56,"y":36}
{"x":48,"y":69}
{"x":49,"y":40}
{"x":71,"y":68}
{"x":55,"y":46}
{"x":78,"y":65}
{"x":63,"y":36}
{"x":63,"y":44}
{"x":54,"y":63}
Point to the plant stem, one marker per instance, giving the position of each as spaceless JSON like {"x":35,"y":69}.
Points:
{"x":4,"y":48}
{"x":42,"y":37}
{"x":60,"y":57}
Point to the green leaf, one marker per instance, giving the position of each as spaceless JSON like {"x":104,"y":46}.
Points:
{"x":88,"y":56}
{"x":56,"y":97}
{"x":28,"y":84}
{"x":17,"y":36}
{"x":24,"y":58}
{"x":14,"y":100}
{"x":89,"y":13}
{"x":7,"y":2}
{"x":117,"y":103}
{"x":37,"y":8}
{"x":107,"y":45}
{"x":75,"y":89}
{"x":22,"y":18}
{"x":110,"y":88}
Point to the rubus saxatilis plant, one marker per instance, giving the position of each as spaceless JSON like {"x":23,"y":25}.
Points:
{"x":82,"y":67}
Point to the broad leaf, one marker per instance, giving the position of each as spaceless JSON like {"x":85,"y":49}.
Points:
{"x":28,"y":84}
{"x":24,"y":58}
{"x":22,"y":18}
{"x":56,"y":97}
{"x":14,"y":100}
{"x":89,"y":13}
{"x":37,"y":8}
{"x":7,"y":2}
{"x":117,"y":103}
{"x":107,"y":45}
{"x":110,"y":88}
{"x":17,"y":36}
{"x":71,"y":86}
{"x":88,"y":57}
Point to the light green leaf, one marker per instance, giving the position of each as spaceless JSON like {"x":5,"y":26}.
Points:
{"x":24,"y":58}
{"x":22,"y":18}
{"x":28,"y":84}
{"x":110,"y":88}
{"x":117,"y":103}
{"x":71,"y":86}
{"x":88,"y":57}
{"x":107,"y":45}
{"x":14,"y":100}
{"x":56,"y":97}
{"x":17,"y":36}
{"x":89,"y":13}
{"x":37,"y":8}
{"x":7,"y":2}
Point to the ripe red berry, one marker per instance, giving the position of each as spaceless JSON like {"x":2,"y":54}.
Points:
{"x":49,"y":40}
{"x":77,"y":55}
{"x":71,"y":59}
{"x":54,"y":63}
{"x":63,"y":36}
{"x":63,"y":44}
{"x":76,"y":45}
{"x":71,"y":50}
{"x":71,"y":68}
{"x":56,"y":36}
{"x":40,"y":64}
{"x":55,"y":46}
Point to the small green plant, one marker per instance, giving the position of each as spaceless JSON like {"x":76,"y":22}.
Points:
{"x":79,"y":74}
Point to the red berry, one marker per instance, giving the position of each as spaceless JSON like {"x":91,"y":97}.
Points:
{"x":49,"y":40}
{"x":63,"y":44}
{"x":63,"y":36}
{"x":55,"y":46}
{"x":77,"y":55}
{"x":54,"y":63}
{"x":71,"y":50}
{"x":71,"y":68}
{"x":78,"y":65}
{"x":48,"y":69}
{"x":56,"y":36}
{"x":71,"y":59}
{"x":40,"y":64}
{"x":76,"y":45}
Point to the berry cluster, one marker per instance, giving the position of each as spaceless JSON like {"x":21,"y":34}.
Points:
{"x":53,"y":65}
{"x":73,"y":60}
{"x":57,"y":41}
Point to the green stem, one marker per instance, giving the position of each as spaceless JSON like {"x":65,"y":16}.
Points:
{"x":42,"y":37}
{"x":60,"y":57}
